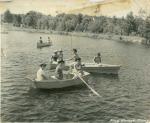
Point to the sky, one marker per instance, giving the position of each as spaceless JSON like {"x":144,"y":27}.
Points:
{"x":44,"y":6}
{"x":54,"y":7}
{"x":96,"y":0}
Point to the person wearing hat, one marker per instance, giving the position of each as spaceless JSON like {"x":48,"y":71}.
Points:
{"x":60,"y":55}
{"x":59,"y":70}
{"x":97,"y":59}
{"x":54,"y":57}
{"x":41,"y":73}
{"x":49,"y":40}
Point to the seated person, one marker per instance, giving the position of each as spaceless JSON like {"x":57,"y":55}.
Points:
{"x":41,"y":73}
{"x":54,"y":57}
{"x":59,"y":70}
{"x":97,"y":59}
{"x":41,"y":40}
{"x":49,"y":40}
{"x":60,"y":55}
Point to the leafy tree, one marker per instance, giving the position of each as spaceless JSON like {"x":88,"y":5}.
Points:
{"x":52,"y":23}
{"x":79,"y":28}
{"x":61,"y":26}
{"x":130,"y":23}
{"x":17,"y":20}
{"x":31,"y":19}
{"x":8,"y":17}
{"x":79,"y":18}
{"x":147,"y":28}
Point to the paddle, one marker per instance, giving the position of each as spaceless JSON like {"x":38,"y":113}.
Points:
{"x":97,"y":94}
{"x":29,"y":78}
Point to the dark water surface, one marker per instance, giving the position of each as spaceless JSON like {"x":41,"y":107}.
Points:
{"x":126,"y":96}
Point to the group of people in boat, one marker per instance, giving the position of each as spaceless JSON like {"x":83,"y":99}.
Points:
{"x":48,"y":41}
{"x":76,"y":67}
{"x":57,"y":56}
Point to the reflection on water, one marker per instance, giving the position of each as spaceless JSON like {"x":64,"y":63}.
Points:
{"x":124,"y":96}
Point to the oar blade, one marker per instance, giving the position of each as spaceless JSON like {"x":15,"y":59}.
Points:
{"x":87,"y":85}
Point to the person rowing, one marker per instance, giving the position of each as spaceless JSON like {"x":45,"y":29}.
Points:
{"x":41,"y":73}
{"x":77,"y":69}
{"x":59,"y":70}
{"x":97,"y":59}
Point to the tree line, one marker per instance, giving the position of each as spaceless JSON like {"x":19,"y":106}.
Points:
{"x":129,"y":25}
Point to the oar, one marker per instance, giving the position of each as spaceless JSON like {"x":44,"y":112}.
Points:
{"x":88,"y":85}
{"x":29,"y":78}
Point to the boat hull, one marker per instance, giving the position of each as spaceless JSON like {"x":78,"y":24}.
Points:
{"x":95,"y":68}
{"x":101,"y":68}
{"x":56,"y":83}
{"x":46,"y":44}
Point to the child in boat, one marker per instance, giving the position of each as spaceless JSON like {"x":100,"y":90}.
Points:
{"x":41,"y":73}
{"x":54,"y":57}
{"x":97,"y":59}
{"x":60,"y":55}
{"x":59,"y":70}
{"x":41,"y":40}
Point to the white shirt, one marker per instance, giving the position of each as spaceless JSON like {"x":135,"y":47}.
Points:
{"x":40,"y":72}
{"x":60,"y":57}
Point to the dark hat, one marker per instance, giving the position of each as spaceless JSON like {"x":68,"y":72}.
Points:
{"x":55,"y":51}
{"x":44,"y":65}
{"x":99,"y":53}
{"x":61,"y":61}
{"x":78,"y":59}
{"x":75,"y":50}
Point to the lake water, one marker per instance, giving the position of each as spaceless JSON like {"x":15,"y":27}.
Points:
{"x":126,"y":96}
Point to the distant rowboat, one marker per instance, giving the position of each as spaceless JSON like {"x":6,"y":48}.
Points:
{"x":54,"y":83}
{"x":44,"y":44}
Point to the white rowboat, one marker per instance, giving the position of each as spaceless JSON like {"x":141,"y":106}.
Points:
{"x":101,"y":68}
{"x":54,"y":83}
{"x":94,"y":68}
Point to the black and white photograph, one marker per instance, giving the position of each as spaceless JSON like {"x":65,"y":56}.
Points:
{"x":75,"y":61}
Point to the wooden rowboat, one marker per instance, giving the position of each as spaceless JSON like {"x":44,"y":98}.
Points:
{"x":44,"y":44}
{"x":54,"y":83}
{"x":94,"y":68}
{"x":101,"y":68}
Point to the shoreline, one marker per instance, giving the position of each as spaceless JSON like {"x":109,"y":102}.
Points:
{"x":119,"y":38}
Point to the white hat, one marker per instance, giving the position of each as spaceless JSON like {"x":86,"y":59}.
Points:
{"x":55,"y":51}
{"x":60,"y":50}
